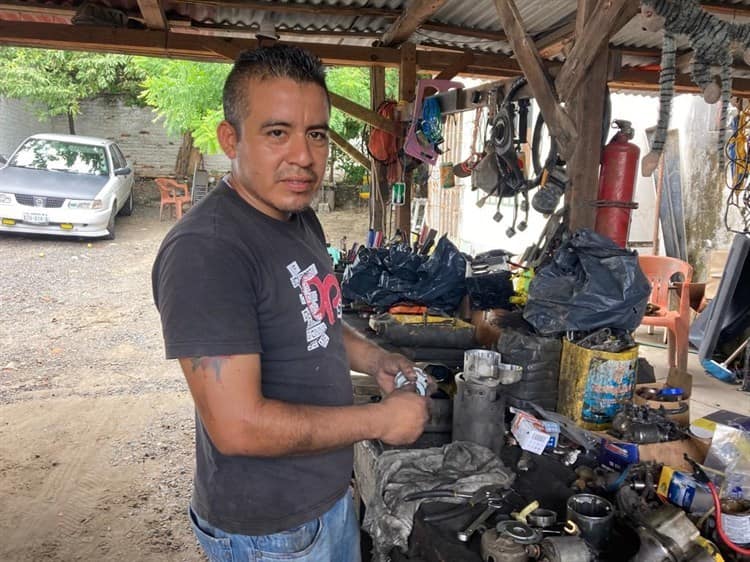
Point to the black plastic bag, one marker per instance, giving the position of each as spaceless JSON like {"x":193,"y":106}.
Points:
{"x":382,"y":277}
{"x":591,"y":283}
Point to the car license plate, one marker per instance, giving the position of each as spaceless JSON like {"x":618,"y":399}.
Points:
{"x":35,"y":218}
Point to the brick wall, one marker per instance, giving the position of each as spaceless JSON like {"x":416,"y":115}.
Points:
{"x":145,"y":142}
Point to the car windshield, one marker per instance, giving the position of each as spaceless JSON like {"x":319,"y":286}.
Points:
{"x":61,"y":156}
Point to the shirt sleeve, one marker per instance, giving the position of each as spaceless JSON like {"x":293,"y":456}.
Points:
{"x":206,"y":297}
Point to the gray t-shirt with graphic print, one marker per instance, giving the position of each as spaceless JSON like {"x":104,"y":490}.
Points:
{"x":230,"y":280}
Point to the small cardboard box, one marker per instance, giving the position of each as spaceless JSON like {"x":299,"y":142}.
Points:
{"x":529,"y":432}
{"x":675,"y":379}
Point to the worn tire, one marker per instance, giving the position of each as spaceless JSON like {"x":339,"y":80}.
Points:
{"x":128,"y":207}
{"x":111,"y":224}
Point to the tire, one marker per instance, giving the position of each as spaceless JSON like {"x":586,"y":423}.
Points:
{"x":111,"y":224}
{"x":128,"y":207}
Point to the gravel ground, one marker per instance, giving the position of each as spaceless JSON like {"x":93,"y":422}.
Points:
{"x":96,"y":428}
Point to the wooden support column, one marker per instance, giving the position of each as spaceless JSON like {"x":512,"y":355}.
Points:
{"x":601,"y":18}
{"x":587,"y":108}
{"x":407,"y":82}
{"x":557,"y":119}
{"x":379,"y":188}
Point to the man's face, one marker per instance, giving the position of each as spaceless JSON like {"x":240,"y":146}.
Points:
{"x":279,"y":156}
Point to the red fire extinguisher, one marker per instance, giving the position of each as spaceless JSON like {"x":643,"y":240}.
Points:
{"x":616,"y":185}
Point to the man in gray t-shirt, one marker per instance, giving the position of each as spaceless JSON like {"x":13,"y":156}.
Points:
{"x":251,"y":308}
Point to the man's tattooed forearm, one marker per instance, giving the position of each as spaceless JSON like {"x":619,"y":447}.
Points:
{"x":207,"y":363}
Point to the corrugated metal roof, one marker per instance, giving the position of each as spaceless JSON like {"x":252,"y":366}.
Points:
{"x":362,"y":22}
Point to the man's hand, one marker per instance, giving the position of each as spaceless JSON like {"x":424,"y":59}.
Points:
{"x":388,"y":366}
{"x":404,"y":415}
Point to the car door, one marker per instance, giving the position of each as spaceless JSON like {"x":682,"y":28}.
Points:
{"x":122,"y":183}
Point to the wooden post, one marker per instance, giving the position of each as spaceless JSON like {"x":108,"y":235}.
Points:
{"x":379,"y":192}
{"x":557,"y":119}
{"x":407,"y":82}
{"x":588,"y":110}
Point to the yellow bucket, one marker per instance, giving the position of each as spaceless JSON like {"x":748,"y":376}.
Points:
{"x":594,"y":384}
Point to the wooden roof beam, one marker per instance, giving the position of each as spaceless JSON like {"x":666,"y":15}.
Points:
{"x":457,"y":67}
{"x":558,"y":121}
{"x":347,"y":147}
{"x":357,"y":111}
{"x":726,"y":9}
{"x":222,"y":49}
{"x":599,"y":27}
{"x":552,"y":44}
{"x":416,"y":13}
{"x":648,"y":81}
{"x":153,"y":14}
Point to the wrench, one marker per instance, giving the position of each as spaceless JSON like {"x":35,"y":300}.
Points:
{"x":465,"y":535}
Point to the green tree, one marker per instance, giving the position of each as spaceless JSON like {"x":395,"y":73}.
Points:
{"x":187,"y":97}
{"x":58,"y":81}
{"x":353,"y":83}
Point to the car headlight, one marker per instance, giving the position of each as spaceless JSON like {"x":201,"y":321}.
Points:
{"x":7,"y":199}
{"x":85,"y":204}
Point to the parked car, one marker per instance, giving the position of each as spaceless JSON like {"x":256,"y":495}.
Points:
{"x":65,"y":184}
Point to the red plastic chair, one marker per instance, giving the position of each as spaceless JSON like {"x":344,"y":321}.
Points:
{"x":172,"y":193}
{"x":662,"y":272}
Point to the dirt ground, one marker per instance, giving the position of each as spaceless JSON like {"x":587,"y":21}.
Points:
{"x":96,"y":428}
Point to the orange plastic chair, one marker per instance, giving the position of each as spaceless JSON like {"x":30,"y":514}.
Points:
{"x":172,"y":193}
{"x":662,"y":272}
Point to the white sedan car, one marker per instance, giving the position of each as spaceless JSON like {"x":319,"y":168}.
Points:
{"x":67,"y":185}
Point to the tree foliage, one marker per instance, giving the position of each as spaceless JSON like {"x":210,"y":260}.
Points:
{"x":187,"y":96}
{"x":60,"y":80}
{"x":353,"y":83}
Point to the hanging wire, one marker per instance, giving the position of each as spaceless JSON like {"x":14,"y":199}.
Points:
{"x":738,"y":173}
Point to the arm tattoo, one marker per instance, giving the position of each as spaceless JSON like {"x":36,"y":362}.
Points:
{"x":206,"y":363}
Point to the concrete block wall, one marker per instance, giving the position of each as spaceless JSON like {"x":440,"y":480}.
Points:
{"x":143,"y":139}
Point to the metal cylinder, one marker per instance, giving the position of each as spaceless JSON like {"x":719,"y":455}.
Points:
{"x":593,"y":515}
{"x":566,"y":549}
{"x":479,"y":413}
{"x":481,"y":364}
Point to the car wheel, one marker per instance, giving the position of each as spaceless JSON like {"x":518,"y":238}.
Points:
{"x":127,"y":208}
{"x":111,"y":224}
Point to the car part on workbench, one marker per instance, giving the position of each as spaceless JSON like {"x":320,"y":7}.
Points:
{"x":542,"y":518}
{"x":519,"y":532}
{"x":593,"y":515}
{"x":420,"y":383}
{"x":502,"y":548}
{"x":667,"y":535}
{"x":479,"y":412}
{"x":641,"y":424}
{"x":566,"y":549}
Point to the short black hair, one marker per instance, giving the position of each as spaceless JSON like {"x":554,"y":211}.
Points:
{"x":275,"y":61}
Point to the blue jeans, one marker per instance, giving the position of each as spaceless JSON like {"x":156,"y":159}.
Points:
{"x":332,"y":537}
